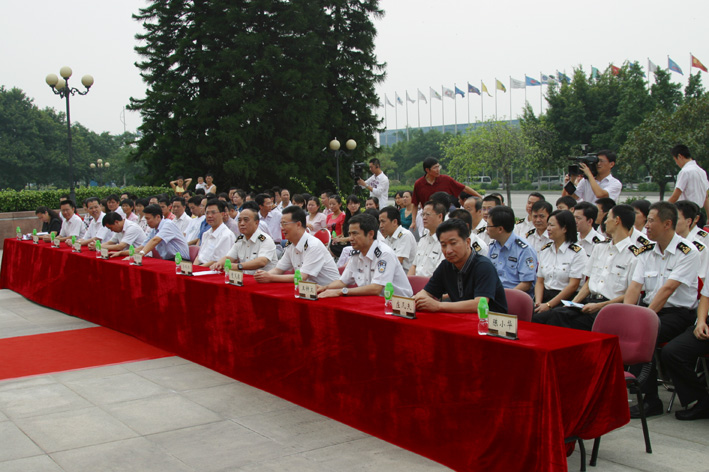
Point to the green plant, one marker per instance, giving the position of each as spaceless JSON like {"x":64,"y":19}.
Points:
{"x":29,"y":200}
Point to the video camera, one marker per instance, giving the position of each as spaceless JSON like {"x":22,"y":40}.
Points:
{"x":590,"y":159}
{"x":358,"y":169}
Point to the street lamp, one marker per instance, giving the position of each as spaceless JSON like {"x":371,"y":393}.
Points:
{"x":351,"y":144}
{"x":100,"y":165}
{"x":60,"y":86}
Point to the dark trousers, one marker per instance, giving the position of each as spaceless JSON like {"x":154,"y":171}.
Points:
{"x":569,"y":317}
{"x":673,"y":322}
{"x":679,"y":357}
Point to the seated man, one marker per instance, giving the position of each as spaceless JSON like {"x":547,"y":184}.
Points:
{"x":218,"y":239}
{"x":478,"y":245}
{"x":538,"y":237}
{"x":687,"y":216}
{"x":96,"y":229}
{"x":253,"y":249}
{"x":72,"y":224}
{"x":182,"y":219}
{"x":372,"y":264}
{"x":585,"y":215}
{"x":474,"y":206}
{"x":125,"y":233}
{"x":464,"y":276}
{"x":397,"y":237}
{"x":165,"y":237}
{"x":304,"y":252}
{"x":428,"y":251}
{"x":514,"y":259}
{"x":525,"y":225}
{"x":193,"y":233}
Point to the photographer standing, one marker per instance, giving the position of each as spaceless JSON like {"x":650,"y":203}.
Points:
{"x":602,"y":185}
{"x":377,"y":184}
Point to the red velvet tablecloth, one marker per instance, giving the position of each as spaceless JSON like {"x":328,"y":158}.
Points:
{"x":431,"y":385}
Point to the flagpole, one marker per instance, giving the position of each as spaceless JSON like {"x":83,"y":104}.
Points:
{"x":455,"y":108}
{"x":541,"y":94}
{"x":482,"y":108}
{"x":430,"y":110}
{"x":386,"y":126}
{"x":418,"y":106}
{"x":396,"y":117}
{"x":495,"y":98}
{"x":443,"y":114}
{"x":525,"y":89}
{"x":510,"y":97}
{"x":407,"y":115}
{"x":468,"y":106}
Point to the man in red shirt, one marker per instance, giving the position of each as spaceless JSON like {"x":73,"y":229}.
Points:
{"x":433,"y":182}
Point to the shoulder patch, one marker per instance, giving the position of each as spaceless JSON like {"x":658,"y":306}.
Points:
{"x":546,"y":246}
{"x":530,"y":232}
{"x":684,"y":248}
{"x":702,"y":233}
{"x":521,"y":243}
{"x":482,"y":230}
{"x":241,"y":236}
{"x":644,"y":241}
{"x":575,"y":247}
{"x":699,"y":245}
{"x":639,"y":250}
{"x":519,"y":220}
{"x":377,"y":252}
{"x":596,"y":240}
{"x":262,"y":237}
{"x":477,"y":247}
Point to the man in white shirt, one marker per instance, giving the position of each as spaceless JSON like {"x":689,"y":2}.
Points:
{"x":304,"y":252}
{"x":538,"y":237}
{"x":585,"y":214}
{"x":270,"y":218}
{"x":96,"y":229}
{"x":113,"y":203}
{"x":253,"y":249}
{"x":182,"y":219}
{"x":603,"y":185}
{"x":428,"y":252}
{"x":377,"y":184}
{"x":285,"y":200}
{"x":687,"y":216}
{"x":218,"y":239}
{"x":474,"y":206}
{"x":164,"y":238}
{"x":523,"y":225}
{"x":397,"y":237}
{"x":72,"y":224}
{"x":125,"y":232}
{"x":198,"y":205}
{"x":692,"y":183}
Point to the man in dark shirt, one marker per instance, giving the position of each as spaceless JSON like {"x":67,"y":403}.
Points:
{"x":465,"y":276}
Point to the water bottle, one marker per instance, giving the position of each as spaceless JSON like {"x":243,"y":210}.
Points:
{"x":131,"y":253}
{"x":52,"y":236}
{"x":296,"y":280}
{"x":178,"y":261}
{"x":19,"y":234}
{"x":388,"y":293}
{"x":227,"y":268}
{"x":98,"y":249}
{"x":482,"y":315}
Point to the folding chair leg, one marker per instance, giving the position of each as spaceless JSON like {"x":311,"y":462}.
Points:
{"x":646,"y":433}
{"x":582,"y":451}
{"x":594,"y":452}
{"x":672,"y":401}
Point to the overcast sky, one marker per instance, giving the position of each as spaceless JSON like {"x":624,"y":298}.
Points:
{"x":425,"y":44}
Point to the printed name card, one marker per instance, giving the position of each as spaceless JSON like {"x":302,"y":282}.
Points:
{"x":404,"y":307}
{"x":501,"y":325}
{"x":186,"y":267}
{"x":308,"y":290}
{"x":137,"y":260}
{"x":35,"y":239}
{"x":56,"y":242}
{"x":76,"y":247}
{"x":236,"y":277}
{"x":104,"y":253}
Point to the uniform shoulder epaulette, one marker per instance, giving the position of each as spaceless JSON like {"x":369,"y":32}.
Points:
{"x":262,"y":237}
{"x":288,"y":243}
{"x":519,"y":220}
{"x":477,"y":247}
{"x":684,"y":248}
{"x":400,"y":235}
{"x":575,"y":247}
{"x":530,"y":232}
{"x":482,"y":230}
{"x":644,"y":241}
{"x":639,"y":250}
{"x":702,"y":233}
{"x":354,"y":253}
{"x":305,"y":246}
{"x":604,"y":241}
{"x":241,"y":236}
{"x":377,"y":252}
{"x":521,"y":243}
{"x":699,"y":245}
{"x":547,"y":245}
{"x":596,"y":240}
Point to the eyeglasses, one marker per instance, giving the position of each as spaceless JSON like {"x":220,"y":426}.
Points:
{"x":427,"y":214}
{"x":283,"y":223}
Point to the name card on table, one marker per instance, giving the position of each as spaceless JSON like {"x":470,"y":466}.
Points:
{"x":186,"y":267}
{"x":35,"y":239}
{"x":236,"y":277}
{"x":56,"y":242}
{"x":76,"y":247}
{"x":404,"y":307}
{"x":137,"y":260}
{"x":104,"y":253}
{"x":308,"y":290}
{"x":501,"y":325}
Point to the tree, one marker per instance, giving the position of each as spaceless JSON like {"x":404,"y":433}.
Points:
{"x":694,"y":88}
{"x":253,"y":90}
{"x":410,"y":154}
{"x":665,"y":93}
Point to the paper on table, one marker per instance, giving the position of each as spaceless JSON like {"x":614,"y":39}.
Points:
{"x":206,"y":272}
{"x":572,"y":304}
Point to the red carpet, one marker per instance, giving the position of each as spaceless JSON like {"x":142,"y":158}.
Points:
{"x":69,"y":350}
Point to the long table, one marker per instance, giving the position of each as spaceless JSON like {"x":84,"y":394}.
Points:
{"x":431,"y":385}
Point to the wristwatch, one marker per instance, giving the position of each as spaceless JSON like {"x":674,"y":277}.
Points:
{"x":344,"y":291}
{"x":142,"y":253}
{"x":240,"y":266}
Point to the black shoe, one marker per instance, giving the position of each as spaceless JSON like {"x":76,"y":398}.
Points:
{"x":699,"y":411}
{"x":653,"y":407}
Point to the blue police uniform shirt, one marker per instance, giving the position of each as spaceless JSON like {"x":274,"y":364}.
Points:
{"x":515,"y":261}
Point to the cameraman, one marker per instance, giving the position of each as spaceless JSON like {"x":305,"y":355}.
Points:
{"x":604,"y":185}
{"x":377,"y":184}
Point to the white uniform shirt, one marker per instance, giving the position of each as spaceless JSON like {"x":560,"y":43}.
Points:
{"x":481,"y":232}
{"x":557,"y":267}
{"x":98,"y":230}
{"x":536,"y":240}
{"x":680,"y":262}
{"x":131,"y":234}
{"x":592,"y":238}
{"x":404,"y":245}
{"x":610,"y":268}
{"x":701,"y":235}
{"x":73,"y":227}
{"x":380,"y":188}
{"x":692,"y":181}
{"x":428,"y":255}
{"x":522,"y":228}
{"x":703,"y":255}
{"x":215,"y":244}
{"x":258,"y":245}
{"x":183,"y":222}
{"x":478,"y":245}
{"x":610,"y":184}
{"x":311,"y":257}
{"x":640,"y":239}
{"x":379,"y":266}
{"x":271,"y":225}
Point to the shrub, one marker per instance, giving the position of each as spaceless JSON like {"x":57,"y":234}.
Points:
{"x":29,"y":200}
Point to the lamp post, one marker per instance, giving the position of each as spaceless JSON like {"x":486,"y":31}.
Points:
{"x":351,"y":144}
{"x":60,"y":86}
{"x":100,"y":165}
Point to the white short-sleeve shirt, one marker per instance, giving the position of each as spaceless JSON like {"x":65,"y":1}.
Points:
{"x":428,"y":255}
{"x":692,"y":181}
{"x":404,"y":245}
{"x":379,"y":266}
{"x":610,"y":268}
{"x":73,"y":227}
{"x":556,"y":267}
{"x":610,"y":184}
{"x":131,"y":234}
{"x":311,"y":257}
{"x":258,"y":245}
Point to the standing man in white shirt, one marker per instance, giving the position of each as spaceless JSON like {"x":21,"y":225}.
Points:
{"x":218,"y":239}
{"x":377,"y":184}
{"x":270,"y":218}
{"x":72,"y":225}
{"x":523,"y":225}
{"x":397,"y":237}
{"x":692,"y":183}
{"x":603,"y":185}
{"x":538,"y":237}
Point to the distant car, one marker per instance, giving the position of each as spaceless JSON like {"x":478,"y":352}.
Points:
{"x":547,"y":181}
{"x":479,"y":179}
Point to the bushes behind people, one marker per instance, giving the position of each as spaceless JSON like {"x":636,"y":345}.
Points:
{"x":29,"y":200}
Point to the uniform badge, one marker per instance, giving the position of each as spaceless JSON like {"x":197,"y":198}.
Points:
{"x":639,"y":250}
{"x":530,"y":232}
{"x":575,"y":247}
{"x":400,"y":235}
{"x":547,"y":245}
{"x":519,"y":220}
{"x":699,"y":245}
{"x":512,"y":259}
{"x":684,"y":248}
{"x":378,"y":253}
{"x":530,"y":263}
{"x":262,"y":238}
{"x":521,"y":243}
{"x":381,"y":266}
{"x":596,"y":240}
{"x":493,"y":256}
{"x":702,"y":233}
{"x":306,"y":246}
{"x":644,"y":241}
{"x":288,"y":243}
{"x":482,"y":230}
{"x":354,"y":253}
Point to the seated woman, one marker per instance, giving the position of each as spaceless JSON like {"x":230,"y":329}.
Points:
{"x":50,"y":219}
{"x":407,"y":209}
{"x":354,"y":206}
{"x":316,"y":220}
{"x":561,"y":264}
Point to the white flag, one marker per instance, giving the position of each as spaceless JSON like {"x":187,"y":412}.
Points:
{"x":386,"y":99}
{"x":435,"y":94}
{"x":409,"y":99}
{"x":398,"y":98}
{"x":448,"y":93}
{"x":651,"y":67}
{"x":517,"y":84}
{"x":422,"y":96}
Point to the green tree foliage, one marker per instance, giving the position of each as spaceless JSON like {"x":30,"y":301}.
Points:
{"x":254,"y":90}
{"x":409,"y":155}
{"x":666,"y":94}
{"x":694,"y":88}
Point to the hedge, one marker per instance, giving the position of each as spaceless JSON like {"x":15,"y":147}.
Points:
{"x":29,"y":200}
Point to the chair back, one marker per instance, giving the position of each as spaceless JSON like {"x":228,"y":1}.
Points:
{"x":324,"y":236}
{"x":194,"y":252}
{"x":341,"y":269}
{"x":636,"y":327}
{"x":417,"y":283}
{"x":520,"y":304}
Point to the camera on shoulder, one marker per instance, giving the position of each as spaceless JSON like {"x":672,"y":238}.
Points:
{"x":358,"y":169}
{"x":590,"y":159}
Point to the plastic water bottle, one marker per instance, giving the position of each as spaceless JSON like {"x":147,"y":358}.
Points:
{"x":131,"y":253}
{"x":388,"y":293}
{"x":178,"y":261}
{"x":19,"y":234}
{"x":227,"y":268}
{"x":296,"y":280}
{"x":482,"y":314}
{"x":98,"y":249}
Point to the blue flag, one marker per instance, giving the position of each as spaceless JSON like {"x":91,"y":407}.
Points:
{"x":563,"y":77}
{"x":594,"y":73}
{"x":459,"y":92}
{"x":530,"y":81}
{"x":673,"y":66}
{"x":473,"y":89}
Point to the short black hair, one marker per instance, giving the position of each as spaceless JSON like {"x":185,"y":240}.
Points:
{"x":492,"y":198}
{"x":165,"y":200}
{"x":68,"y":202}
{"x":218,"y":203}
{"x":375,"y":200}
{"x":570,"y":202}
{"x":626,"y":213}
{"x":375,"y":161}
{"x":179,"y":200}
{"x":605,"y":203}
{"x":129,"y":202}
{"x":223,"y":195}
{"x":110,"y":218}
{"x":442,"y":197}
{"x":590,"y":211}
{"x":502,"y":216}
{"x":297,"y":198}
{"x":499,"y":197}
{"x":462,"y":215}
{"x":538,"y":195}
{"x":391,"y":213}
{"x":366,"y":223}
{"x":542,"y":205}
{"x":250,"y":205}
{"x":565,"y":219}
{"x":438,"y":208}
{"x":92,"y":199}
{"x":666,"y":211}
{"x":642,"y":205}
{"x":454,"y":224}
{"x":680,"y":149}
{"x":689,"y":209}
{"x":297,"y":214}
{"x":113,"y":197}
{"x":153,"y":209}
{"x":143,"y":202}
{"x":261,"y":198}
{"x":196,"y":200}
{"x":428,"y":163}
{"x":610,"y":155}
{"x":199,"y":191}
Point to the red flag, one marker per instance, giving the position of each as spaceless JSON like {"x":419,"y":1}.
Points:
{"x":696,"y":63}
{"x":615,"y":70}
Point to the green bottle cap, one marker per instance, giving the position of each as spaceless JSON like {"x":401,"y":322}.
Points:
{"x":483,"y":308}
{"x":73,"y":240}
{"x":98,"y":245}
{"x":388,"y":290}
{"x":52,"y":235}
{"x":34,"y":232}
{"x":131,"y":250}
{"x":227,"y":265}
{"x":178,"y":259}
{"x":19,"y":230}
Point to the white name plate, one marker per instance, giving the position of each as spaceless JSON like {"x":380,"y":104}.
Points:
{"x":186,"y":267}
{"x":236,"y":277}
{"x":35,"y":239}
{"x":404,"y":307}
{"x":501,"y":325}
{"x":56,"y":242}
{"x":137,"y":260}
{"x":308,"y":290}
{"x":77,"y":247}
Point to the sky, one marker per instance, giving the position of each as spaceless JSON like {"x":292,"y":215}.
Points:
{"x":424,"y":44}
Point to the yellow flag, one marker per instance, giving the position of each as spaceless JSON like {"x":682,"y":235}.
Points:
{"x":485,"y":89}
{"x":500,"y":86}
